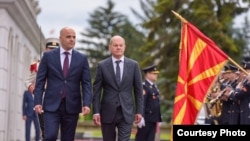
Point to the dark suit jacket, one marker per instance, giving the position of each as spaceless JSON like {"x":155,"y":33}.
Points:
{"x":28,"y":104}
{"x":108,"y":95}
{"x":78,"y":82}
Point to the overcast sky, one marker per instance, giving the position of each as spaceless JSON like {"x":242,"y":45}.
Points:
{"x":56,"y":14}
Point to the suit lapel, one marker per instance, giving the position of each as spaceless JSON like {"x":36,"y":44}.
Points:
{"x":125,"y":70}
{"x":72,"y":62}
{"x":110,"y":67}
{"x":57,"y":60}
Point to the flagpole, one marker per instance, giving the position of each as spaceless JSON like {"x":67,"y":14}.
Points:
{"x":231,"y":60}
{"x":180,"y":17}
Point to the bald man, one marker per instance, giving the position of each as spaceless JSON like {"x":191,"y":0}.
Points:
{"x":68,"y":90}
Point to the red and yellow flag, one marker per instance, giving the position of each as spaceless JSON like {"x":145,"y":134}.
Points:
{"x":200,"y":63}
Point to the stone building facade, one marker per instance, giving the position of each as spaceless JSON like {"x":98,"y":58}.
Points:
{"x":20,"y":44}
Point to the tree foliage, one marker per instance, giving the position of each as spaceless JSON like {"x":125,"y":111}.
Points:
{"x":104,"y":23}
{"x":215,"y":18}
{"x":158,"y":43}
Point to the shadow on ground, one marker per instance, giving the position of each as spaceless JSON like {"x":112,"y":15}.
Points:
{"x":82,"y":137}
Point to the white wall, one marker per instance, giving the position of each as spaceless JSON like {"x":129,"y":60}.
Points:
{"x":19,"y":45}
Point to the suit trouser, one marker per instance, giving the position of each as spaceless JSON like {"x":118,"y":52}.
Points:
{"x":146,"y":133}
{"x":41,"y":123}
{"x":60,"y":119}
{"x":119,"y":123}
{"x":28,"y":123}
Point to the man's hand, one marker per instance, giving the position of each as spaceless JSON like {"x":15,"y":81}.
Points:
{"x":85,"y":110}
{"x":97,"y":119}
{"x":142,"y":123}
{"x":24,"y":117}
{"x":38,"y":109}
{"x":138,"y":118}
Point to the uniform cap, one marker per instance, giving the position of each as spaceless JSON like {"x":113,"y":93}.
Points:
{"x":246,"y":65}
{"x":246,"y":59}
{"x":151,"y":69}
{"x":230,"y":68}
{"x":52,"y":43}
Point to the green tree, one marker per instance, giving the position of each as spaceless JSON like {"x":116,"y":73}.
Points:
{"x":214,"y":18}
{"x":134,"y":40}
{"x":104,"y":23}
{"x":244,"y":34}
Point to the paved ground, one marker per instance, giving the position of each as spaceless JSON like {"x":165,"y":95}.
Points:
{"x":89,"y":140}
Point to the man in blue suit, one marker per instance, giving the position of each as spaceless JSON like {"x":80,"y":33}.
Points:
{"x":66,"y":73}
{"x":117,"y":91}
{"x":51,"y":43}
{"x":29,"y":115}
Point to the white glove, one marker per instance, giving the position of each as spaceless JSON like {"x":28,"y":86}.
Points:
{"x":141,"y":123}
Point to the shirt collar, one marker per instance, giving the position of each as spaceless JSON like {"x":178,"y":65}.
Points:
{"x":63,"y":50}
{"x":150,"y":82}
{"x":114,"y":59}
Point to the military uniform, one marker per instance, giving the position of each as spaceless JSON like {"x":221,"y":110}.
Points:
{"x":30,"y":81}
{"x":230,"y":105}
{"x":230,"y":113}
{"x":50,"y":43}
{"x":152,"y":111}
{"x":213,"y":105}
{"x":243,"y":94}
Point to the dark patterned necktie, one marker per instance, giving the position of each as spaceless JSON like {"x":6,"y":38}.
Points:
{"x":66,"y":64}
{"x":65,"y":71}
{"x":118,"y":71}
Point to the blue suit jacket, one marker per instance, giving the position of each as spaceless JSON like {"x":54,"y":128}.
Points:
{"x":108,"y":94}
{"x":77,"y":83}
{"x":28,"y":104}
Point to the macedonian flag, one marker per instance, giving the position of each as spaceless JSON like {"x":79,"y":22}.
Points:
{"x":200,"y":63}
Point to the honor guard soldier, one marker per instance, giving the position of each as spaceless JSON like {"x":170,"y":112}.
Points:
{"x":213,"y":104}
{"x":242,"y":93}
{"x":230,"y":105}
{"x":152,"y":113}
{"x":50,"y":43}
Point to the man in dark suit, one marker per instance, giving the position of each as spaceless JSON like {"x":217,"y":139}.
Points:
{"x":152,"y":110}
{"x":50,"y":43}
{"x":29,"y":115}
{"x":68,"y":92}
{"x":115,"y":86}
